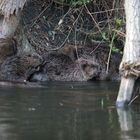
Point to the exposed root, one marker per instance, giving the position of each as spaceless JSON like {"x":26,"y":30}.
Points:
{"x":130,"y":68}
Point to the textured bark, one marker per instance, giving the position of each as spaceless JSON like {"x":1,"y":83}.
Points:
{"x":9,"y":26}
{"x":130,"y":65}
{"x":11,"y":7}
{"x":10,"y":16}
{"x":17,"y":62}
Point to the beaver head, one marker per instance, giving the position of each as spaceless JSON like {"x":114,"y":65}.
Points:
{"x":89,"y":68}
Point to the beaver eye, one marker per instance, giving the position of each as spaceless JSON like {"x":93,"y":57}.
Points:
{"x":29,"y":55}
{"x":84,"y":66}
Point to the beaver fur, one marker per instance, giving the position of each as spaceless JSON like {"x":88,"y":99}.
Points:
{"x":62,"y":68}
{"x":19,"y":68}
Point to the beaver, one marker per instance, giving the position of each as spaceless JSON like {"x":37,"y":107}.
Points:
{"x":62,"y":68}
{"x":70,"y":50}
{"x":19,"y":68}
{"x":7,"y":48}
{"x":81,"y":70}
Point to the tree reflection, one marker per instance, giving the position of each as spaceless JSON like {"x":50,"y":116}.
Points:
{"x":127,"y":124}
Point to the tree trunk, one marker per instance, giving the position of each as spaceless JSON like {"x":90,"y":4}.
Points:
{"x":10,"y":16}
{"x":9,"y":26}
{"x":18,"y":61}
{"x":130,"y":65}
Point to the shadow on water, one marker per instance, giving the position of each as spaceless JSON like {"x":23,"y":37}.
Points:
{"x":66,"y":111}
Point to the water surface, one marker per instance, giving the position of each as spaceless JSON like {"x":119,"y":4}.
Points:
{"x":66,"y":111}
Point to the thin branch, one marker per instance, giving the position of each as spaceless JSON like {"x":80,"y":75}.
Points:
{"x":110,"y":51}
{"x":68,"y":33}
{"x":133,"y":99}
{"x":93,"y":19}
{"x":42,"y":12}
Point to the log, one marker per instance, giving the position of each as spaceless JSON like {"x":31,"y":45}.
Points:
{"x":130,"y":65}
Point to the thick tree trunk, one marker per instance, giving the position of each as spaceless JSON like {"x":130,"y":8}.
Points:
{"x":130,"y":65}
{"x":10,"y":16}
{"x":9,"y":26}
{"x":18,"y":61}
{"x":11,"y":7}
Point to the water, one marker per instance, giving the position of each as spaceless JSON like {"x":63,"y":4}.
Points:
{"x":66,"y":111}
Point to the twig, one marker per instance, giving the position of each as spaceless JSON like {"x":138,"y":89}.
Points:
{"x":62,"y":43}
{"x":40,"y":15}
{"x":61,"y":3}
{"x":119,"y":32}
{"x":109,"y":56}
{"x":68,"y":34}
{"x":96,"y":47}
{"x":93,"y":19}
{"x":64,"y":16}
{"x":133,"y":100}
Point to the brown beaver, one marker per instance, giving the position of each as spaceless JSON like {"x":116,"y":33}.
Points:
{"x":62,"y":68}
{"x":7,"y":48}
{"x":19,"y":68}
{"x":81,"y":70}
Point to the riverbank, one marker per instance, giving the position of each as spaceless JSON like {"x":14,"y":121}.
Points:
{"x":64,"y":43}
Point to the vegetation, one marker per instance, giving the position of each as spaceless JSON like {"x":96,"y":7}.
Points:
{"x":91,"y":26}
{"x":107,"y":18}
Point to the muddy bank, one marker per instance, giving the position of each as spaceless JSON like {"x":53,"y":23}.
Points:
{"x":24,"y":84}
{"x":60,"y":47}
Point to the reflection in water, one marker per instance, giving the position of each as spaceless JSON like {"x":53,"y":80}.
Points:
{"x":126,"y":123}
{"x":129,"y":124}
{"x":125,"y":119}
{"x":70,"y":111}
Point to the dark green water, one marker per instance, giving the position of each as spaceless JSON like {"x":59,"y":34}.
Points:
{"x":66,"y":111}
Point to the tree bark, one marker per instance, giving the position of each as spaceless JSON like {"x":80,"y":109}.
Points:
{"x":9,"y":26}
{"x":11,"y":7}
{"x":130,"y":65}
{"x":10,"y":16}
{"x":18,"y":61}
